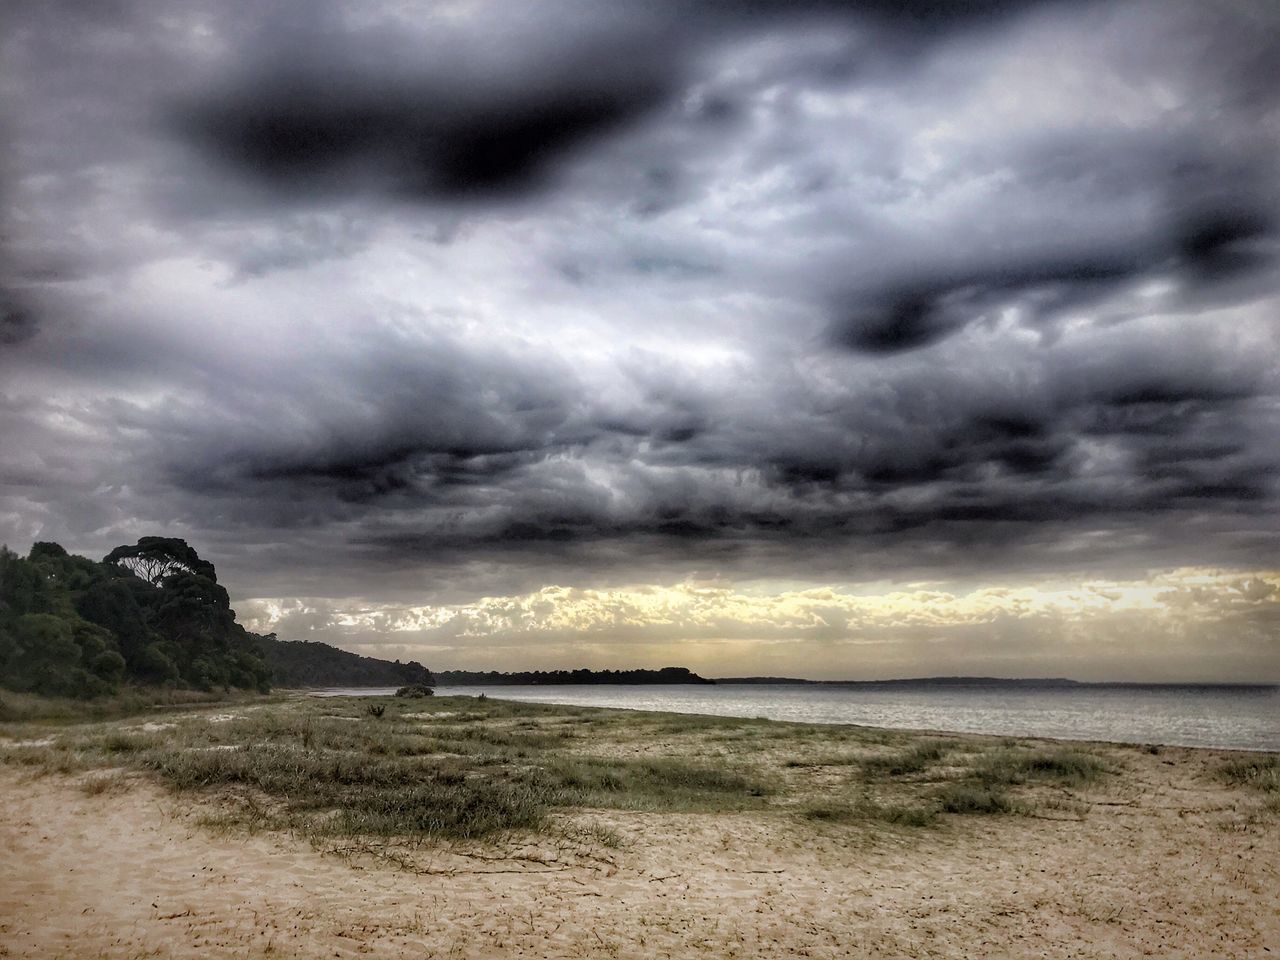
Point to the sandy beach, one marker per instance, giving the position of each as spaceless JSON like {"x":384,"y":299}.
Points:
{"x":1167,"y":862}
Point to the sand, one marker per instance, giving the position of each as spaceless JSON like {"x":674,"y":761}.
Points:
{"x":1173,"y":865}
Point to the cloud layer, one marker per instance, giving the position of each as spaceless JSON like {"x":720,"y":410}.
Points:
{"x":1093,"y":630}
{"x":422,"y":303}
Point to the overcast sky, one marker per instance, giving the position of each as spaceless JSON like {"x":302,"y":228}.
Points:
{"x":846,"y":339}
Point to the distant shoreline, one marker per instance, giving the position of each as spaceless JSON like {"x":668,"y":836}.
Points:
{"x":1033,"y":682}
{"x":681,"y":676}
{"x":579,"y":677}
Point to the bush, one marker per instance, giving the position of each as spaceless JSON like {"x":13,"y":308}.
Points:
{"x":415,"y":691}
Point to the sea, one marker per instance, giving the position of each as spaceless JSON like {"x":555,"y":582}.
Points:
{"x":1232,"y":717}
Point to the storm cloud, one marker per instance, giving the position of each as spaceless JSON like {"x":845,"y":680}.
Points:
{"x":433,"y":302}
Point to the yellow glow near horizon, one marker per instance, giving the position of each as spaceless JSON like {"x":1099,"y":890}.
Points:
{"x":1188,"y":616}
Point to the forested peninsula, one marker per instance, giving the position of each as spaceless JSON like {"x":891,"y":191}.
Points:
{"x":150,"y":614}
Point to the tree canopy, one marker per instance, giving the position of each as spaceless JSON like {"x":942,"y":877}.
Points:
{"x":155,"y":558}
{"x":151,"y":613}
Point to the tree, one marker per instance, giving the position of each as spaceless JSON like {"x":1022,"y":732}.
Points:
{"x":114,"y":605}
{"x":44,"y":655}
{"x":22,"y":587}
{"x":155,"y":558}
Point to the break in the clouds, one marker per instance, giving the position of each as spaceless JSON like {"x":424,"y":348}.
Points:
{"x":402,"y":306}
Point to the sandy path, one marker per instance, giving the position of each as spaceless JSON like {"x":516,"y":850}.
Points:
{"x":1179,"y":870}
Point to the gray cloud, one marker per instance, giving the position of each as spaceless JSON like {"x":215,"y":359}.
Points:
{"x":458,"y":302}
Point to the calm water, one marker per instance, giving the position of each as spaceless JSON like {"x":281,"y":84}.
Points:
{"x":1184,"y":716}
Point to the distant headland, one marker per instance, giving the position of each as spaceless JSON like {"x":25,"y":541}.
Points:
{"x":1029,"y":682}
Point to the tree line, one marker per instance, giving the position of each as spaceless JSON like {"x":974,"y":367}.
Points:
{"x":152,"y":614}
{"x":462,"y":678}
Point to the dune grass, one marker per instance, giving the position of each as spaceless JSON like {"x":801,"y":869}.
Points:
{"x":909,"y":814}
{"x":459,"y":768}
{"x":915,"y":759}
{"x":974,"y":798}
{"x":30,"y":707}
{"x":412,"y":792}
{"x":1008,"y":767}
{"x":1261,"y":772}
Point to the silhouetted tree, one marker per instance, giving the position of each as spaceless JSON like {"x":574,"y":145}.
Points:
{"x":155,"y":558}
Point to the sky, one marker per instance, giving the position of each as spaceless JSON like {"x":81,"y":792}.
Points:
{"x":812,"y":338}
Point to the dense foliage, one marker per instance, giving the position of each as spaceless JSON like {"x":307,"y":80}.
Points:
{"x":464,"y":678}
{"x":152,"y":614}
{"x":297,"y":664}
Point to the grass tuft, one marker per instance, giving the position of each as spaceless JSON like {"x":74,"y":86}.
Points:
{"x":1260,"y":772}
{"x":899,"y":814}
{"x":106,"y":784}
{"x":967,"y":798}
{"x":915,"y":759}
{"x":1008,"y":767}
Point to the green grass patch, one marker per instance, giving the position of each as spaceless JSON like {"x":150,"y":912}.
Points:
{"x":915,"y":759}
{"x":30,"y":707}
{"x":1008,"y":767}
{"x":970,"y":798}
{"x":657,"y":784}
{"x":898,"y":814}
{"x":1261,"y":772}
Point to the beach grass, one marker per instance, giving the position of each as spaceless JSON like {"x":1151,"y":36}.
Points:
{"x":1009,"y":767}
{"x":917,"y":758}
{"x":1261,"y":772}
{"x":974,"y":798}
{"x":29,"y":707}
{"x":462,"y":768}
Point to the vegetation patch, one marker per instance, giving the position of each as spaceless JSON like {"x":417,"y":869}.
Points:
{"x":1261,"y":772}
{"x":915,"y":759}
{"x":898,"y":814}
{"x":415,"y":691}
{"x":970,"y":798}
{"x":653,"y":785}
{"x":1011,"y":766}
{"x":462,"y":768}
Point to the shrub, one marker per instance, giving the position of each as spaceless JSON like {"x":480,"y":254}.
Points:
{"x":415,"y":691}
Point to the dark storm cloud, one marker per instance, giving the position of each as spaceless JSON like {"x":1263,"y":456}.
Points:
{"x":430,"y":139}
{"x":927,"y":15}
{"x":944,"y":465}
{"x":1214,"y":229}
{"x":312,"y":115}
{"x":17,"y":319}
{"x":476,"y":298}
{"x":921,"y":310}
{"x":1206,"y":248}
